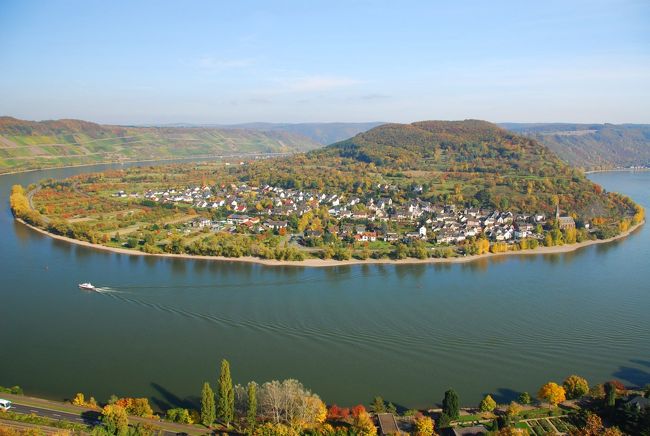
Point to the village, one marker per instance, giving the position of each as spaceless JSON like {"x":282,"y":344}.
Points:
{"x":250,"y":209}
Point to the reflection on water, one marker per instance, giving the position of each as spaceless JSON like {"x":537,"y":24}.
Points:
{"x":499,"y":325}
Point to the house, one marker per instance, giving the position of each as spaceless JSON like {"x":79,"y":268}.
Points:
{"x":639,"y":403}
{"x":238,"y":219}
{"x":276,"y":225}
{"x":469,"y":431}
{"x":423,"y":232}
{"x":387,"y":424}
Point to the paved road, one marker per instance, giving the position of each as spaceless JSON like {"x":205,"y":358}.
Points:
{"x":87,"y":417}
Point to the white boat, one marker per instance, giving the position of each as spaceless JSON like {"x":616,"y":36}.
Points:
{"x":87,"y":286}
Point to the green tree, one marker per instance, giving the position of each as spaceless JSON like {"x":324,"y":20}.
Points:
{"x":207,"y":405}
{"x":378,"y":405}
{"x":610,"y":394}
{"x":251,"y":415}
{"x":450,"y":404}
{"x":487,"y":404}
{"x":524,"y":398}
{"x":226,"y":400}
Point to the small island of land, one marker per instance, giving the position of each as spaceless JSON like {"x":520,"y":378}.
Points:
{"x":429,"y":191}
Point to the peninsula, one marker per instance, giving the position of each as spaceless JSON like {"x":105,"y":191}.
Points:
{"x":428,"y":191}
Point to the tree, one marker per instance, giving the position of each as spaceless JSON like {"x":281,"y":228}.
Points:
{"x":487,"y":404}
{"x":115,"y":419}
{"x":594,"y":427}
{"x":610,"y":394}
{"x":575,"y":386}
{"x":552,"y":393}
{"x":363,"y":425}
{"x":378,"y":405}
{"x":424,"y":426}
{"x":450,"y":404}
{"x":524,"y":398}
{"x":208,"y":413}
{"x":251,"y":413}
{"x":226,"y":400}
{"x":513,"y":410}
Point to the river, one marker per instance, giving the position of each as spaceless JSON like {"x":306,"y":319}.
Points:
{"x":407,"y":332}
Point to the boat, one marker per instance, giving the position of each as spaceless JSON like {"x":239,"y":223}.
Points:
{"x":87,"y":286}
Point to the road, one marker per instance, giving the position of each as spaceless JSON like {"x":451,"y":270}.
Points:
{"x":88,"y":418}
{"x":48,"y":409}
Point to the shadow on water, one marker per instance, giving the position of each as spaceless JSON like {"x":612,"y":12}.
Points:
{"x":641,"y":362}
{"x":169,"y":400}
{"x":504,"y":395}
{"x":633,"y":376}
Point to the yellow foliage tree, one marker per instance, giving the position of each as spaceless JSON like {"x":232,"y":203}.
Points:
{"x":79,"y":399}
{"x":424,"y":426}
{"x":363,"y":425}
{"x":552,"y":393}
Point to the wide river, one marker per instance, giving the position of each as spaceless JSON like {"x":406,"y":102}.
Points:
{"x":405,"y":332}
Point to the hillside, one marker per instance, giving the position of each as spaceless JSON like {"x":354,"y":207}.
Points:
{"x":593,"y":146}
{"x":31,"y":145}
{"x":472,"y":163}
{"x":323,"y":133}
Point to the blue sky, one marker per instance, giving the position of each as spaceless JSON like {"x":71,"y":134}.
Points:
{"x":298,"y":61}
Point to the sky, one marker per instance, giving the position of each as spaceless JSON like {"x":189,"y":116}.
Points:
{"x":221,"y":62}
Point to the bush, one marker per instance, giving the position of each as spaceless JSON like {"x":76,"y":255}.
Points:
{"x":15,"y":390}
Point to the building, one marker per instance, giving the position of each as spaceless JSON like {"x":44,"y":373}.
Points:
{"x":564,"y":222}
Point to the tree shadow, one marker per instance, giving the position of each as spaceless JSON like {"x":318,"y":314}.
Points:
{"x":634,"y":376}
{"x":504,"y":395}
{"x":91,"y":417}
{"x":641,"y":362}
{"x":169,"y":400}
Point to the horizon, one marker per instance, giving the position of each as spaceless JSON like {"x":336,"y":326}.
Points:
{"x":211,"y":63}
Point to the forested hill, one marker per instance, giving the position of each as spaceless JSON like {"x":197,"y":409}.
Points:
{"x":32,"y":145}
{"x":471,"y":163}
{"x":467,"y":146}
{"x":323,"y":133}
{"x":593,"y":146}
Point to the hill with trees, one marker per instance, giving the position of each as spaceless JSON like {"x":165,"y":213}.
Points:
{"x":470,"y":163}
{"x":593,"y":146}
{"x":32,"y":145}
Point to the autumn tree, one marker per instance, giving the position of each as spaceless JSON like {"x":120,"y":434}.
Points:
{"x":208,"y":413}
{"x":575,"y":386}
{"x":226,"y":396}
{"x":487,"y":404}
{"x":424,"y":426}
{"x":450,"y":404}
{"x":552,"y":393}
{"x":115,"y":419}
{"x":594,"y":427}
{"x":363,"y":425}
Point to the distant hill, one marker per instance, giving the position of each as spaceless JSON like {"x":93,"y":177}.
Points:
{"x":474,"y":163}
{"x":32,"y":145}
{"x":323,"y":133}
{"x":592,"y":146}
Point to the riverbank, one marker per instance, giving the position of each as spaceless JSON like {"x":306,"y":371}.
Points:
{"x":319,"y":263}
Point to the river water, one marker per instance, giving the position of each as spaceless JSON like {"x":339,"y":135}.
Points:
{"x":407,"y":332}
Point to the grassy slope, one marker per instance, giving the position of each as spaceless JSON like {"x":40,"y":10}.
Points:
{"x":31,"y":145}
{"x":593,"y":146}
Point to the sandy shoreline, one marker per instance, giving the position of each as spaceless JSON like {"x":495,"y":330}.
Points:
{"x":319,"y":263}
